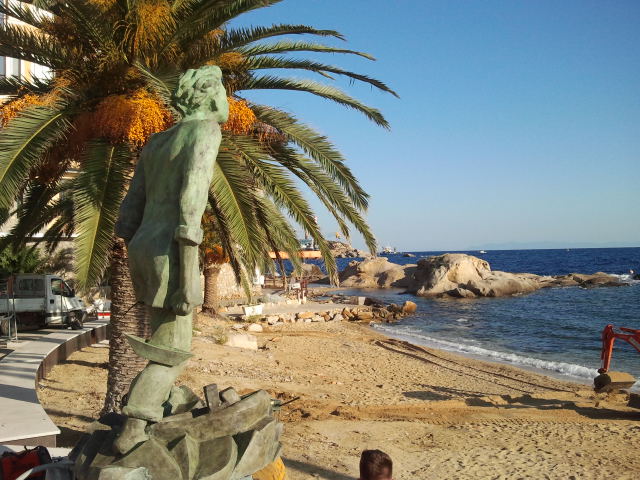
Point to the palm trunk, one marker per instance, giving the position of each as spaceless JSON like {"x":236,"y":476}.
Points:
{"x":211,"y":292}
{"x":124,"y":364}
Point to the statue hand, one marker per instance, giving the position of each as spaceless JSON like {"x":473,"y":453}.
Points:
{"x":181,"y":303}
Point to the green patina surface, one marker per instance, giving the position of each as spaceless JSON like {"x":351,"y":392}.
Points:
{"x":167,"y":432}
{"x":160,"y":221}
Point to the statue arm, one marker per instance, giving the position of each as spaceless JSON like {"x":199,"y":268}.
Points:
{"x":196,"y":180}
{"x":132,"y":207}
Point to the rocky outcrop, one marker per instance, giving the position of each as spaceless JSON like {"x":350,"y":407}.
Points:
{"x":460,"y":276}
{"x":376,"y":272}
{"x":344,"y":250}
{"x":464,"y":276}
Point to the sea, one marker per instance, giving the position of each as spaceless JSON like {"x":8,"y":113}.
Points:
{"x":555,"y":331}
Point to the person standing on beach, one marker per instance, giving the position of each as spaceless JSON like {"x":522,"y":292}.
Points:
{"x":375,"y":465}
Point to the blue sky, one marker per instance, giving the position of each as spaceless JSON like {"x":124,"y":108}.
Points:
{"x":518,"y":122}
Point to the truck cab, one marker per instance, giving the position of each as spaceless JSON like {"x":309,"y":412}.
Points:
{"x":41,"y":300}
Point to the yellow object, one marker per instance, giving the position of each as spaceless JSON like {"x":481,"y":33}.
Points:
{"x":11,"y":109}
{"x":273,"y":471}
{"x":241,"y":117}
{"x":131,"y":118}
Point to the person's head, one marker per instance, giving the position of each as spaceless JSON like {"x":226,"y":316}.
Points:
{"x":375,"y":465}
{"x":202,"y":90}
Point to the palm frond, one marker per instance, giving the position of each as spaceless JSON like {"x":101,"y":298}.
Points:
{"x":196,"y":18}
{"x":39,"y":206}
{"x":230,"y":246}
{"x":162,"y":83}
{"x":24,"y":13}
{"x":23,"y":143}
{"x":275,"y":180}
{"x":11,"y":86}
{"x":232,"y":190}
{"x":93,"y":26}
{"x":270,"y":82}
{"x":234,"y":38}
{"x":280,"y":236}
{"x":328,"y":191}
{"x":316,"y":146}
{"x":267,"y":62}
{"x":287,"y":46}
{"x":25,"y":43}
{"x":98,"y":193}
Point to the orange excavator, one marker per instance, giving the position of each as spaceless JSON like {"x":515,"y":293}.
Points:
{"x":608,"y":380}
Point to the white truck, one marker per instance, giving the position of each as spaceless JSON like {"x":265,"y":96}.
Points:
{"x":36,"y":301}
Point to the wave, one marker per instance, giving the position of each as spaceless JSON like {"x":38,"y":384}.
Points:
{"x":567,"y":369}
{"x":626,"y":278}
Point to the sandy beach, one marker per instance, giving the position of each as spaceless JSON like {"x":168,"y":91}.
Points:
{"x":438,"y":415}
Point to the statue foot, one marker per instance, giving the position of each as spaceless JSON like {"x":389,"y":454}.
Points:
{"x":132,"y":434}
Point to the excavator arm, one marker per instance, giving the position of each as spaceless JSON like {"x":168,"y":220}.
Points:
{"x":609,"y":336}
{"x":607,"y":380}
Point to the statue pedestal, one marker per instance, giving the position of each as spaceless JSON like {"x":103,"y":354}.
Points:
{"x":226,"y":437}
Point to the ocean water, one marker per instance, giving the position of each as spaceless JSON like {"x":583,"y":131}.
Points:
{"x":555,"y":330}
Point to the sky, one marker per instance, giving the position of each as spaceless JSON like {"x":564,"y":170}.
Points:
{"x":517,"y":126}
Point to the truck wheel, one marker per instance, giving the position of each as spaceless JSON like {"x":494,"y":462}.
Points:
{"x":77,"y":320}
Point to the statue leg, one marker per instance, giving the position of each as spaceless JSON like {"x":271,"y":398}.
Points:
{"x":151,"y":388}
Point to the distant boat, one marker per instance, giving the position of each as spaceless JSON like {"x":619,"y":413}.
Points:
{"x":388,"y":250}
{"x":482,"y":251}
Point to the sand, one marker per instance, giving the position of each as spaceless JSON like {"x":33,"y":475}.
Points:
{"x":439,"y":415}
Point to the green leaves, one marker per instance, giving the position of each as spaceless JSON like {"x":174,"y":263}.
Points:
{"x":97,"y":51}
{"x":239,"y":37}
{"x":270,"y":82}
{"x":23,"y":144}
{"x":98,"y":192}
{"x":268,"y":62}
{"x":31,"y":45}
{"x":287,"y":46}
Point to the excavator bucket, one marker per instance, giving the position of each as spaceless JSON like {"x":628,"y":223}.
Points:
{"x":606,"y":382}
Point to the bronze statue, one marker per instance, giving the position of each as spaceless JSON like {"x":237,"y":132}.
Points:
{"x":168,"y":432}
{"x":160,"y":222}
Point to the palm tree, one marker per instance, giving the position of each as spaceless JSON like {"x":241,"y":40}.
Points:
{"x":212,"y":258}
{"x":115,"y":64}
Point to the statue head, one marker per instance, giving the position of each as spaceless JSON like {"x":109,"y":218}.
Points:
{"x":201,"y":90}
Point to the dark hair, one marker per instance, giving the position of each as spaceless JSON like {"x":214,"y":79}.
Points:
{"x":375,"y":465}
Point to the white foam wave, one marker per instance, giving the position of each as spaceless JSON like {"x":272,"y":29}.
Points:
{"x":568,"y":369}
{"x":462,"y":320}
{"x":626,"y":278}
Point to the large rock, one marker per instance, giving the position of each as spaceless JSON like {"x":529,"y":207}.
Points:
{"x":344,"y":250}
{"x":464,"y":276}
{"x":460,"y":275}
{"x":242,"y":340}
{"x":376,"y":272}
{"x":598,"y":279}
{"x":311,"y":271}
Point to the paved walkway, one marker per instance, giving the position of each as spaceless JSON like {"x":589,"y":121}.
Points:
{"x":23,"y":421}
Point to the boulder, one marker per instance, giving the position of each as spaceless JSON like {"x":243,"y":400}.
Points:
{"x":376,"y":272}
{"x":338,"y":317}
{"x":409,"y":307}
{"x":242,"y":340}
{"x":465,"y":276}
{"x":255,"y":327}
{"x":273,"y":319}
{"x":344,"y":250}
{"x":305,"y":315}
{"x":312,"y":271}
